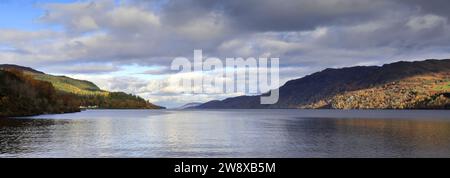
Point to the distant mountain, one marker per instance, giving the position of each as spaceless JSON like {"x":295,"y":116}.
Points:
{"x":25,"y":91}
{"x":420,"y":84}
{"x":189,"y":105}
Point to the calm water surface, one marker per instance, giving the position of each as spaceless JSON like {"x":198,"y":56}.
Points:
{"x":228,"y":133}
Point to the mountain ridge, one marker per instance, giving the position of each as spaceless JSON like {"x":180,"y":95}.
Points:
{"x":29,"y":69}
{"x":189,"y":105}
{"x":324,"y":86}
{"x":80,"y":84}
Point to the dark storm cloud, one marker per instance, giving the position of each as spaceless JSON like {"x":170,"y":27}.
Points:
{"x":283,"y":15}
{"x":438,"y":7}
{"x":153,"y":32}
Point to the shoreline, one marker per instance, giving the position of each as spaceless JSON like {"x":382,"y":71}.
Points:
{"x":295,"y":113}
{"x":280,"y":109}
{"x":71,"y":112}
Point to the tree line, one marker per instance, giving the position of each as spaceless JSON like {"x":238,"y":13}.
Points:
{"x":22,"y":95}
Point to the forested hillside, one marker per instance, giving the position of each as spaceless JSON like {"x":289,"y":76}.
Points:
{"x":25,"y":91}
{"x":21,"y":95}
{"x":400,"y":85}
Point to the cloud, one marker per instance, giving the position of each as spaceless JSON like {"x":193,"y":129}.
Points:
{"x":285,"y":15}
{"x":437,"y":7}
{"x":158,"y":70}
{"x":96,"y":40}
{"x":86,"y":69}
{"x":426,"y":22}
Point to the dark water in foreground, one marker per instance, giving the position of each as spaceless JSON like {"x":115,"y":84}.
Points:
{"x":228,"y":133}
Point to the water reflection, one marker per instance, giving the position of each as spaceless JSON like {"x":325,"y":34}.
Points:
{"x":227,"y":133}
{"x":337,"y":137}
{"x":16,"y":135}
{"x":405,"y":138}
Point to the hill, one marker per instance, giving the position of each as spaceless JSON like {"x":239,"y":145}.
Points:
{"x":189,"y":106}
{"x":21,"y":68}
{"x":78,"y":93}
{"x":21,"y":95}
{"x":61,"y":83}
{"x":400,"y":85}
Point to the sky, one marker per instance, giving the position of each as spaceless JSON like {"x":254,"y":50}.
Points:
{"x":128,"y":45}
